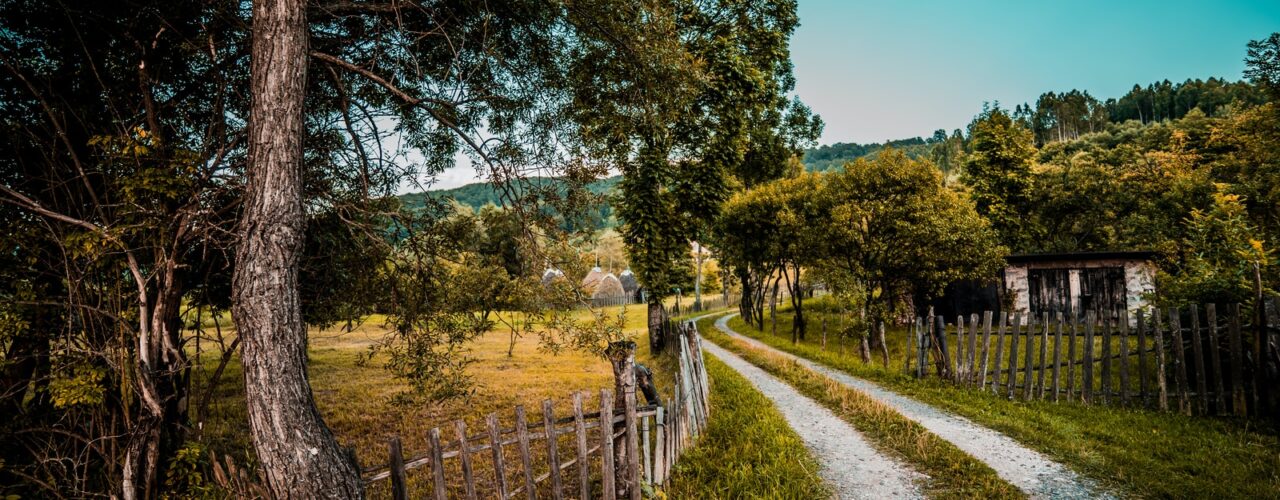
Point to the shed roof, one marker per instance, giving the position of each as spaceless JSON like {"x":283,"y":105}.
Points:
{"x":1050,"y":257}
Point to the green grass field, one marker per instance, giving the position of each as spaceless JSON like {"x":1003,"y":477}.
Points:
{"x":1139,"y":452}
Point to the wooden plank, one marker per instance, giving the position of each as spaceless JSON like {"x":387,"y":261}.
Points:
{"x":1057,"y":357}
{"x":522,"y":437}
{"x":1027,"y":367}
{"x":1215,"y":357}
{"x":553,"y":456}
{"x":1105,"y":388}
{"x":398,"y":480}
{"x":1197,"y":354}
{"x":1162,"y":382}
{"x":1086,"y":385}
{"x":633,"y":445}
{"x":1237,"y":364}
{"x":971,"y":372}
{"x":1142,"y":358}
{"x":584,"y":456}
{"x":647,"y":465}
{"x":659,"y":449}
{"x":1124,"y":357}
{"x":464,"y":457}
{"x":495,"y":447}
{"x":1071,"y":358}
{"x":609,"y":489}
{"x":999,"y":354}
{"x":1180,"y":361}
{"x":959,"y":372}
{"x":986,"y":348}
{"x":1044,"y":354}
{"x":1013,"y":352}
{"x":437,"y":464}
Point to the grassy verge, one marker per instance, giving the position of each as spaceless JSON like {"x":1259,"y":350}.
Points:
{"x":952,"y":472}
{"x":1138,"y":452}
{"x":748,"y":450}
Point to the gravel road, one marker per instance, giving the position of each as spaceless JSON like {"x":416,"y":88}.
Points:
{"x":849,"y":465}
{"x":1030,"y":471}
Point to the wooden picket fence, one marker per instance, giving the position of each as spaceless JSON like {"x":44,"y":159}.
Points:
{"x":639,"y":444}
{"x":1205,"y":360}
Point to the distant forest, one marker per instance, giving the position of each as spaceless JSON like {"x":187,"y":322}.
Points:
{"x":1054,"y":117}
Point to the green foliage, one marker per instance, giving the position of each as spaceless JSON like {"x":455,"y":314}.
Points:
{"x":998,"y":172}
{"x":79,"y":385}
{"x":185,"y":477}
{"x":1263,"y":63}
{"x":1220,"y":255}
{"x":835,"y":156}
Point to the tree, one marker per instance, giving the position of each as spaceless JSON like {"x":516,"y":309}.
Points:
{"x":998,"y":173}
{"x":896,"y":231}
{"x":1263,"y":63}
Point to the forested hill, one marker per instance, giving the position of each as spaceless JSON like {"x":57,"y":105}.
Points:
{"x":824,"y":158}
{"x":479,"y":194}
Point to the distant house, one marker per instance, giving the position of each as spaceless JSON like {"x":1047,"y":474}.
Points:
{"x":1067,"y":283}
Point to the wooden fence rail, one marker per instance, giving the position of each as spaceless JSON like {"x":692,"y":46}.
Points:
{"x":1193,"y":359}
{"x":605,"y":453}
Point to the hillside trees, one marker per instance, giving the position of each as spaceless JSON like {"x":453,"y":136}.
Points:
{"x":896,"y":231}
{"x":998,"y":172}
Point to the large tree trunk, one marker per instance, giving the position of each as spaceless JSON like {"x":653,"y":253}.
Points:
{"x":297,"y":452}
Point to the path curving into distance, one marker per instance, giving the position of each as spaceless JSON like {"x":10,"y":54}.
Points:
{"x":1028,"y":470}
{"x":849,"y":464}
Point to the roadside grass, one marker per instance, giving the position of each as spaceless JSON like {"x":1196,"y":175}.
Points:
{"x":1137,"y":452}
{"x":748,"y":449}
{"x":952,"y":472}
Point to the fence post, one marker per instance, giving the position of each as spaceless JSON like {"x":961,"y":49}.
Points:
{"x":1161,"y":380}
{"x":1215,"y":357}
{"x":1180,"y":361}
{"x":464,"y":456}
{"x":398,"y":491}
{"x":970,"y":374}
{"x":1090,"y":317}
{"x":1124,"y":356}
{"x":1057,"y":357}
{"x":1013,"y":352}
{"x":1237,"y":364}
{"x":1197,"y":352}
{"x":607,"y":465}
{"x":986,"y":347}
{"x":553,"y":455}
{"x":495,"y":447}
{"x":1142,"y":358}
{"x":437,"y":464}
{"x":999,"y":354}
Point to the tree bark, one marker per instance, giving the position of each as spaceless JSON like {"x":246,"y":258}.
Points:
{"x":298,"y":454}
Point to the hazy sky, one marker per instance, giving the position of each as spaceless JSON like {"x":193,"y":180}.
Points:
{"x":881,"y":69}
{"x":877,"y":70}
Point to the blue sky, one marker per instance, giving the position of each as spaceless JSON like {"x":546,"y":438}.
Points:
{"x":879,"y":69}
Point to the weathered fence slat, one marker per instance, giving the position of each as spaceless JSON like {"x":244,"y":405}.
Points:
{"x":1237,"y":364}
{"x":1105,"y":388}
{"x":1197,"y":352}
{"x":580,"y":435}
{"x":398,"y":488}
{"x":1162,"y":381}
{"x":1124,"y":357}
{"x":1057,"y":356}
{"x":1142,"y":358}
{"x":1071,"y":359}
{"x":999,"y":354}
{"x":1026,"y":365}
{"x":553,"y":456}
{"x":659,"y":450}
{"x":437,"y":464}
{"x":633,"y":444}
{"x":1087,"y":370}
{"x":1013,"y":352}
{"x":1044,"y":351}
{"x":958,"y":373}
{"x":522,"y":437}
{"x":1215,"y":357}
{"x":644,"y":449}
{"x":606,"y":445}
{"x":986,"y":347}
{"x":464,"y":456}
{"x":971,"y":374}
{"x":1179,"y":361}
{"x":495,"y":446}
